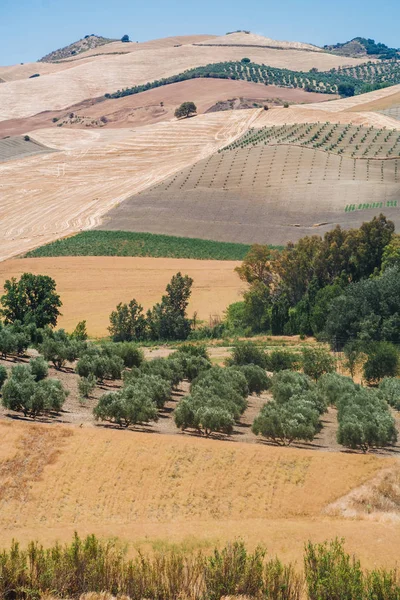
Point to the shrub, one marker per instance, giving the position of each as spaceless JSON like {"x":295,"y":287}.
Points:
{"x":23,"y":394}
{"x":365,"y":421}
{"x":245,"y":60}
{"x":317,"y":361}
{"x":3,"y":375}
{"x":131,"y":355}
{"x":128,"y":407}
{"x":256,"y":377}
{"x":194,"y":350}
{"x":296,"y":419}
{"x":125,"y":38}
{"x":80,"y":332}
{"x":288,"y":383}
{"x":193,"y":365}
{"x":390,"y":388}
{"x":39,"y":368}
{"x":282,"y":360}
{"x":8,"y":344}
{"x":247,"y":353}
{"x":18,"y":391}
{"x":335,"y":387}
{"x":382,"y":361}
{"x":86,"y":385}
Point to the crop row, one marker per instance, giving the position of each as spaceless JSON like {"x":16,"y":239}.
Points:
{"x":349,"y":140}
{"x":328,"y":82}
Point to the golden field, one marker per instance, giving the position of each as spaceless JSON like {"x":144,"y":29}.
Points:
{"x":91,"y":287}
{"x":158,"y":489}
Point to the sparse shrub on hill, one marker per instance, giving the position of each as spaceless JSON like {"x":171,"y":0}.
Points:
{"x":167,"y":320}
{"x":186,"y":110}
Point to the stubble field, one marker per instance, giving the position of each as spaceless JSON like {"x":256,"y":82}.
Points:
{"x":91,"y":287}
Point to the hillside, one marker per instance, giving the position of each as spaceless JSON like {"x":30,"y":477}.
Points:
{"x":360,"y":46}
{"x":247,"y":39}
{"x":89,"y":42}
{"x":96,"y":76}
{"x":145,"y":488}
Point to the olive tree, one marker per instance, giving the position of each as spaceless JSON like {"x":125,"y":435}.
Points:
{"x":186,"y":109}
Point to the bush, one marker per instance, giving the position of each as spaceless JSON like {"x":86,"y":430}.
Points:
{"x":128,"y":407}
{"x":256,"y":377}
{"x":39,"y":368}
{"x":247,"y":353}
{"x":282,"y":360}
{"x":382,"y":361}
{"x":288,"y":383}
{"x":193,"y":365}
{"x":317,"y":361}
{"x":23,"y":394}
{"x":390,"y":388}
{"x":125,"y":38}
{"x":86,"y":385}
{"x":194,"y":350}
{"x":8,"y":343}
{"x":3,"y":375}
{"x":365,"y":421}
{"x":245,"y":60}
{"x":296,"y":419}
{"x":335,"y":387}
{"x":131,"y":355}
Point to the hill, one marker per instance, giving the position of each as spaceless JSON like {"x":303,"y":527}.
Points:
{"x":157,"y":488}
{"x":89,"y":42}
{"x":248,"y":39}
{"x":360,"y":46}
{"x":97,"y":75}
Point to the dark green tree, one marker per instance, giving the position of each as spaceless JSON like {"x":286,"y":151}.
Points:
{"x":32,"y":299}
{"x":186,"y":110}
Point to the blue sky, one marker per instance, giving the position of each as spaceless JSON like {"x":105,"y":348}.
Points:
{"x":30,"y":29}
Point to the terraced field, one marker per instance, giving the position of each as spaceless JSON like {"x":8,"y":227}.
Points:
{"x":14,"y":148}
{"x":266,"y":194}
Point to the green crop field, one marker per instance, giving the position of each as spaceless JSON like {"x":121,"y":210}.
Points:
{"x":124,"y":243}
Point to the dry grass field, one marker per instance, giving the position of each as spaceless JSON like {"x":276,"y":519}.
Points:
{"x":91,"y":287}
{"x":151,"y":489}
{"x":241,"y":38}
{"x":63,"y":192}
{"x":157,"y":105}
{"x":108,"y":73}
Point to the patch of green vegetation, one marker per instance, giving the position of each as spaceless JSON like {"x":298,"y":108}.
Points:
{"x":126,"y":243}
{"x":361,"y":78}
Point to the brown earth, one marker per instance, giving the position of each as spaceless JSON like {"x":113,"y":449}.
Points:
{"x":264,"y":194}
{"x":157,"y":105}
{"x":148,"y":489}
{"x":91,"y":287}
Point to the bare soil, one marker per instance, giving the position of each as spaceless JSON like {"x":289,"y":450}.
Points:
{"x":157,"y":105}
